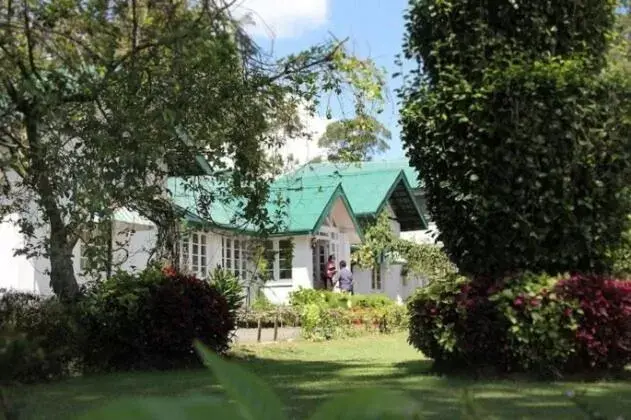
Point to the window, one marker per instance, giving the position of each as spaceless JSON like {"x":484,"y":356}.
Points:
{"x":84,"y":262}
{"x":278,"y":259}
{"x":194,"y":254}
{"x":269,"y":254}
{"x":376,"y":277}
{"x":285,"y":251}
{"x":234,"y":256}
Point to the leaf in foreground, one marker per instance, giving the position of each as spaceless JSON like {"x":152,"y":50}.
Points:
{"x":254,"y":398}
{"x":188,"y":408}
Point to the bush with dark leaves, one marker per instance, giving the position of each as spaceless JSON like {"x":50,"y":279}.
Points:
{"x":39,"y":338}
{"x":149,"y":321}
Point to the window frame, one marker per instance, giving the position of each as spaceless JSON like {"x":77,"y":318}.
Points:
{"x":83,"y":260}
{"x":273,"y":254}
{"x":280,"y":260}
{"x":376,"y":278}
{"x":192,"y":250}
{"x":238,"y":265}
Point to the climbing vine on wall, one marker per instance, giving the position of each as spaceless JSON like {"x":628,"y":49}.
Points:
{"x":382,"y":245}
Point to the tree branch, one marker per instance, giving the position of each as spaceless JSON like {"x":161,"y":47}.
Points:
{"x":29,"y":40}
{"x":289,"y":71}
{"x":16,"y":60}
{"x":113,"y":66}
{"x":134,"y":29}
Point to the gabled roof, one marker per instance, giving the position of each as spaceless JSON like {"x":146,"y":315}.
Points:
{"x":369,"y":187}
{"x":302,"y":212}
{"x":330,"y":168}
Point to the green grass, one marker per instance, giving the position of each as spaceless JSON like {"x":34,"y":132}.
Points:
{"x":306,"y":374}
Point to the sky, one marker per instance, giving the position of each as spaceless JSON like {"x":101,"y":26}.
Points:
{"x":374,"y":28}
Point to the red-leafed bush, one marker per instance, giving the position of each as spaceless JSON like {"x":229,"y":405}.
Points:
{"x":528,"y":323}
{"x":454,"y":322}
{"x":604,"y":332}
{"x":149,"y":321}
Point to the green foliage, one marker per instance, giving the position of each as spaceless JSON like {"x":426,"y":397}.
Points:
{"x":433,"y":315}
{"x":528,"y":323}
{"x":467,"y":37}
{"x":521,"y":136}
{"x":229,"y":286}
{"x":303,"y":297}
{"x":149,"y":321}
{"x":542,"y":325}
{"x":282,"y":316}
{"x":371,"y":301}
{"x":247,"y":396}
{"x":319,"y":323}
{"x":621,"y":257}
{"x":424,"y":259}
{"x":355,"y":140}
{"x":380,"y":244}
{"x":262,"y":303}
{"x":378,"y":240}
{"x":326,"y":315}
{"x":620,"y":52}
{"x":334,"y":300}
{"x":39,"y":338}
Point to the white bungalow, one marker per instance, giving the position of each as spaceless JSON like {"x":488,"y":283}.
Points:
{"x":325,"y":206}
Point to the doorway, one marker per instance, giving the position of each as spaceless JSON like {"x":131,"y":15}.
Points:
{"x":320,"y":256}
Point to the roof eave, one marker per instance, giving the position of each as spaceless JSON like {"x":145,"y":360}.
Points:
{"x":338,"y":193}
{"x":402,"y":178}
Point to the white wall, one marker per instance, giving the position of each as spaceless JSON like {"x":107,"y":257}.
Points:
{"x":362,"y":282}
{"x":18,"y":273}
{"x":302,"y":268}
{"x":427,"y":236}
{"x":393,"y":284}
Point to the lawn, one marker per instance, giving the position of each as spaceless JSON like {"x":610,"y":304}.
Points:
{"x":305,"y":374}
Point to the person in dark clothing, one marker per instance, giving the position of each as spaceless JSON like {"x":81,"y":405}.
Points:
{"x":345,"y":279}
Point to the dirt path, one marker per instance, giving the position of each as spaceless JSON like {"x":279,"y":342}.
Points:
{"x":248,"y":335}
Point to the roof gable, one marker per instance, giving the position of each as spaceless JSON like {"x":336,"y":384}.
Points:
{"x":299,"y":210}
{"x":347,"y":168}
{"x":369,"y":186}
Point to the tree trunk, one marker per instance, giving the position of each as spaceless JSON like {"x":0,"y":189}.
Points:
{"x":62,"y":277}
{"x":110,"y":249}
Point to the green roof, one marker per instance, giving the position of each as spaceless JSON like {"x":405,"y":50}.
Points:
{"x":131,"y":217}
{"x":307,"y":196}
{"x":303,"y":211}
{"x":368,"y":186}
{"x":330,"y":168}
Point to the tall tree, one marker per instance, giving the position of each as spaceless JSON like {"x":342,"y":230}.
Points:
{"x":356,"y":139}
{"x":101,"y":101}
{"x":520,"y":131}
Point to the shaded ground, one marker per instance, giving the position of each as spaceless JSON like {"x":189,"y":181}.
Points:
{"x":250,"y":335}
{"x":305,"y":374}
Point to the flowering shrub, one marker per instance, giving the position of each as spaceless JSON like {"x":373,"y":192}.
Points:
{"x":150,"y":320}
{"x":524,"y":323}
{"x":329,"y":299}
{"x":325,"y":315}
{"x":541,"y":324}
{"x":433,"y":317}
{"x":604,"y":331}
